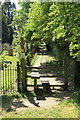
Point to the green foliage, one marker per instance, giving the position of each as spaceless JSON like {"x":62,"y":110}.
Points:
{"x":56,"y":22}
{"x":28,"y":27}
{"x":7,"y":18}
{"x":64,"y":20}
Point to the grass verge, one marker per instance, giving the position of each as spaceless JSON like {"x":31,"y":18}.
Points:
{"x":66,"y":109}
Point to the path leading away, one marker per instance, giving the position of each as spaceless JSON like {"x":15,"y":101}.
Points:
{"x":37,"y":63}
{"x":41,"y":61}
{"x":53,"y":98}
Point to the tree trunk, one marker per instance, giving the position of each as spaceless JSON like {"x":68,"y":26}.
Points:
{"x":77,"y":75}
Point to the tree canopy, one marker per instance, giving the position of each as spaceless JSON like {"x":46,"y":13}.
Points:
{"x":7,"y":18}
{"x":54,"y":23}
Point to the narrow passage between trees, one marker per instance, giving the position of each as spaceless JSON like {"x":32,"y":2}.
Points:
{"x":44,"y":60}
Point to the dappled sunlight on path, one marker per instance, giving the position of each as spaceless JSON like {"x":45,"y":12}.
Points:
{"x":55,"y":94}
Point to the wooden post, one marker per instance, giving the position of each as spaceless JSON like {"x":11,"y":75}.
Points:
{"x":65,"y":73}
{"x":35,"y":76}
{"x":35,"y":84}
{"x":18,"y":77}
{"x":77,"y":76}
{"x":23,"y":68}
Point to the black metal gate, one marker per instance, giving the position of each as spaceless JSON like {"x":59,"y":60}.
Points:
{"x":9,"y":79}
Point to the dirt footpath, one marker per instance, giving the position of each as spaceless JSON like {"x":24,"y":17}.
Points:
{"x":54,"y":97}
{"x":42,"y":101}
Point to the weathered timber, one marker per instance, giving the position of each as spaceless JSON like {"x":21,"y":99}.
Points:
{"x":29,"y":76}
{"x":66,"y":72}
{"x":77,"y":75}
{"x":49,"y":85}
{"x":45,"y":84}
{"x":35,"y":76}
{"x":30,"y":67}
{"x":18,"y":77}
{"x":23,"y":68}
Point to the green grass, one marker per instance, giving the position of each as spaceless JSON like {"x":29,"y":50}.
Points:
{"x":66,"y":109}
{"x":9,"y":76}
{"x":35,"y":113}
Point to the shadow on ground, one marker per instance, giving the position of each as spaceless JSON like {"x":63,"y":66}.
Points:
{"x":10,"y":103}
{"x":28,"y":99}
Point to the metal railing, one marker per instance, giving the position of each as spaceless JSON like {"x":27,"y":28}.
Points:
{"x":9,"y":79}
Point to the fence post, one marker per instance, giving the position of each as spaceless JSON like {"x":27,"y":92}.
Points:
{"x":66,"y":73}
{"x":23,"y":66}
{"x":18,"y":77}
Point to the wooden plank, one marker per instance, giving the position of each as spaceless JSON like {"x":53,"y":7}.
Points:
{"x":46,"y":67}
{"x":44,"y":81}
{"x":52,"y":76}
{"x":35,"y":75}
{"x":66,"y":72}
{"x":35,"y":85}
{"x":29,"y":76}
{"x":49,"y":85}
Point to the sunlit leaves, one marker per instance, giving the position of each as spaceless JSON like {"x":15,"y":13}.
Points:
{"x":58,"y":22}
{"x":64,"y":22}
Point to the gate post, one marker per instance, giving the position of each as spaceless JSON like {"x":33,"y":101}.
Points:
{"x":23,"y":68}
{"x":65,"y":65}
{"x":18,"y":77}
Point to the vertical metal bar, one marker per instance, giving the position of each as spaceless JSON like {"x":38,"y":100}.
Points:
{"x":8,"y":77}
{"x":13,"y":77}
{"x":3,"y":80}
{"x":6,"y":81}
{"x":10,"y":80}
{"x":18,"y":77}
